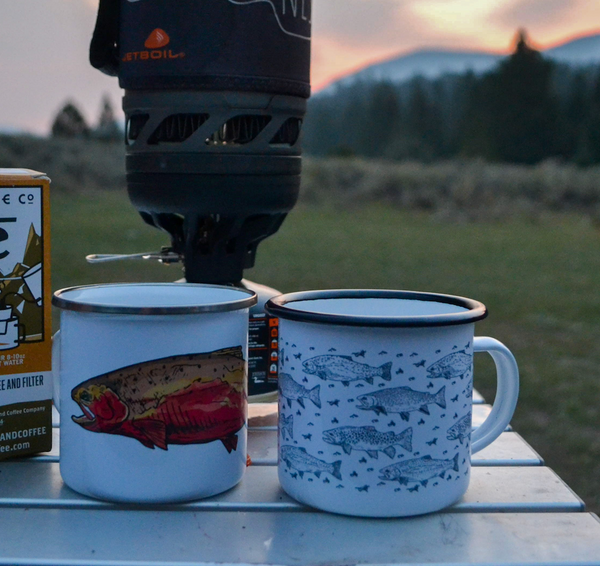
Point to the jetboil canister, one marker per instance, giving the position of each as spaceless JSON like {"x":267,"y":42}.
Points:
{"x":263,"y":343}
{"x":215,"y":95}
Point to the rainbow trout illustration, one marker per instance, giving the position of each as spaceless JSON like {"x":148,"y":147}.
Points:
{"x":369,"y":440}
{"x":301,"y":461}
{"x":451,"y":366}
{"x":402,"y":400}
{"x":419,"y":470}
{"x":188,"y":399}
{"x":345,"y":369}
{"x":293,"y":391}
{"x":461,"y":429}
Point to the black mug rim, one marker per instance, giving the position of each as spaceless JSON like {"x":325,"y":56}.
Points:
{"x":281,"y":307}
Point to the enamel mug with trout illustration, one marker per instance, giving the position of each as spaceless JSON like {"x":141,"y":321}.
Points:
{"x":375,"y":399}
{"x":153,"y":390}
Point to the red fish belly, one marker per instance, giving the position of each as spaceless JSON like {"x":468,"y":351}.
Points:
{"x":202,"y":413}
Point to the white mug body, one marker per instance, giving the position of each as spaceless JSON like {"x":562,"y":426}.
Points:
{"x":154,"y":404}
{"x":374,"y":420}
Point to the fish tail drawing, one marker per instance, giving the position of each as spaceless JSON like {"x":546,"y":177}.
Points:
{"x":315,"y":395}
{"x":230,"y":442}
{"x":335,"y":469}
{"x":287,"y":425}
{"x":386,"y":371}
{"x":440,"y":398}
{"x":455,"y":467}
{"x":405,"y":439}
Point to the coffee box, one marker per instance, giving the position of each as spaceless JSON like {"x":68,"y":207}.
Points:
{"x":25,"y":317}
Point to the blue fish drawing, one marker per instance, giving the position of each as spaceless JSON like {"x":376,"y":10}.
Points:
{"x":286,"y":425}
{"x":461,"y":429}
{"x":402,"y":400}
{"x":451,"y":366}
{"x":368,"y":439}
{"x":293,"y":391}
{"x":345,"y":369}
{"x":419,"y":470}
{"x":301,"y":461}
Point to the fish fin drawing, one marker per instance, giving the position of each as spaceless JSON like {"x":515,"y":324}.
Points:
{"x":315,"y":395}
{"x":390,"y":451}
{"x":424,"y":483}
{"x":287,"y":425}
{"x":230,"y":442}
{"x":155,"y":431}
{"x":440,"y":398}
{"x":369,"y":380}
{"x":289,"y":403}
{"x":146,"y":442}
{"x":424,"y":409}
{"x":318,"y":473}
{"x":407,"y":439}
{"x":404,"y":416}
{"x":301,"y":475}
{"x":455,"y":467}
{"x":336,"y":470}
{"x":373,"y":454}
{"x":347,"y":448}
{"x":346,"y":383}
{"x":386,"y":371}
{"x":301,"y":402}
{"x":380,"y":411}
{"x":236,"y":352}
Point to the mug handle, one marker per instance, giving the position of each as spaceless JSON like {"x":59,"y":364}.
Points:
{"x":56,"y":370}
{"x":507,"y":392}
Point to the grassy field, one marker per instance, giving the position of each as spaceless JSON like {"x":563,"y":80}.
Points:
{"x":540,"y":281}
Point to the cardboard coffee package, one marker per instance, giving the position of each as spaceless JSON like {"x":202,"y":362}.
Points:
{"x":25,"y":317}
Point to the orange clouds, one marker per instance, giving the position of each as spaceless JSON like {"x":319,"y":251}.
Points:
{"x":348,"y":34}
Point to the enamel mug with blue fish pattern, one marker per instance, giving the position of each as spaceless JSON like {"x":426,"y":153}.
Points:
{"x":375,"y":399}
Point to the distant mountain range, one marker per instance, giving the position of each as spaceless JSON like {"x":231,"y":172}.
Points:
{"x":433,"y":63}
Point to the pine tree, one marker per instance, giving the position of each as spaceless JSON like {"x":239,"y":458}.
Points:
{"x":515,"y":110}
{"x":382,"y":121}
{"x":107,"y":128}
{"x":423,"y":123}
{"x":70,"y":123}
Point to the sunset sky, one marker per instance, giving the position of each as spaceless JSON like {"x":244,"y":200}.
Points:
{"x":44,"y":43}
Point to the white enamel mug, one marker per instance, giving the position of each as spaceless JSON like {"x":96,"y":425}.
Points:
{"x":152,"y":390}
{"x":375,"y":399}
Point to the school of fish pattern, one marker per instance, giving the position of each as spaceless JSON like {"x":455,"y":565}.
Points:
{"x":187,"y":399}
{"x":422,"y":427}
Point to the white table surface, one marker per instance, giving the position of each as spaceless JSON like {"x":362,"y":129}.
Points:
{"x":516,"y":511}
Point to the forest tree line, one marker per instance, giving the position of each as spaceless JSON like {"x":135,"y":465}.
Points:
{"x":528,"y":109}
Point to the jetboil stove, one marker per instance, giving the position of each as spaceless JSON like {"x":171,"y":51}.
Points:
{"x":215,"y":95}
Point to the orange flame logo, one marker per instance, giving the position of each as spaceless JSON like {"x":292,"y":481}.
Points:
{"x":157,"y":39}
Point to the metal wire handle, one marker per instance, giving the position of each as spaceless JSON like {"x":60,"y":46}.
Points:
{"x":165,"y":255}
